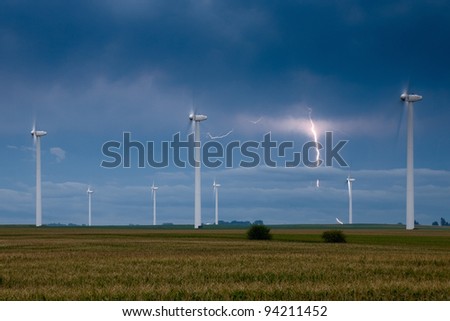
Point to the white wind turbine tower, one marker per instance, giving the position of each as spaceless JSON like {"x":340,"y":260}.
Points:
{"x":216,"y":195}
{"x":89,"y":192}
{"x":198,"y":198}
{"x":154,"y":189}
{"x":410,"y":99}
{"x":37,"y":134}
{"x":350,"y":180}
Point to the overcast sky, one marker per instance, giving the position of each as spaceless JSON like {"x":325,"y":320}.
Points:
{"x":88,"y":71}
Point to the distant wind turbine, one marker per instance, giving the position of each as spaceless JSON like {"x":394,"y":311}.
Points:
{"x":89,"y":192}
{"x":409,"y":99}
{"x":339,"y":221}
{"x":350,"y":199}
{"x":37,"y":134}
{"x":216,"y":195}
{"x":154,"y":189}
{"x":198,"y":197}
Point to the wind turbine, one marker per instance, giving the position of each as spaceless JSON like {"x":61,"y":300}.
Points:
{"x":410,"y":99}
{"x":37,"y":134}
{"x":198,"y":198}
{"x":89,"y":192}
{"x":154,"y":189}
{"x":216,"y":194}
{"x":350,"y":180}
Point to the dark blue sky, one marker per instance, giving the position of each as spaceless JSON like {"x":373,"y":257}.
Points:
{"x":89,"y":71}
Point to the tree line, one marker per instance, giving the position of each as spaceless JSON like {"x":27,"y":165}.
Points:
{"x":443,"y":222}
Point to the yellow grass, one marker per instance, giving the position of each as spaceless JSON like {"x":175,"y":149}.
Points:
{"x":143,"y":264}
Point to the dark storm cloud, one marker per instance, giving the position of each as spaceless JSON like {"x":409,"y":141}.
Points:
{"x":144,"y":59}
{"x":129,"y":61}
{"x":187,"y":40}
{"x":251,"y":46}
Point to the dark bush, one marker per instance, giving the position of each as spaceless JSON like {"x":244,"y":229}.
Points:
{"x":259,"y":232}
{"x":334,"y":236}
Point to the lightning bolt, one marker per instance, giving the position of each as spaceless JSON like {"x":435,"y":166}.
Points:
{"x":314,"y":133}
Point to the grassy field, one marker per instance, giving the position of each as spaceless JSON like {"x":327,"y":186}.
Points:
{"x":377,"y":263}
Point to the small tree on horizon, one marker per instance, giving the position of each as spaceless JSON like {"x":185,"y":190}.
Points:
{"x":334,"y":236}
{"x":259,"y":232}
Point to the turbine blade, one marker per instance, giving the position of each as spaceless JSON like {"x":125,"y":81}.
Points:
{"x":189,"y":126}
{"x":401,"y":121}
{"x":33,"y":130}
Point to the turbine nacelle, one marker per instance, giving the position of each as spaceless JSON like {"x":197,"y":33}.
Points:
{"x":38,"y":133}
{"x":89,"y":191}
{"x":410,"y":98}
{"x":195,"y":117}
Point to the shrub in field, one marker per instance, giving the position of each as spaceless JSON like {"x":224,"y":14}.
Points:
{"x":259,"y":232}
{"x":334,"y":236}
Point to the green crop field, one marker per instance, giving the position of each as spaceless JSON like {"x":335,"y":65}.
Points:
{"x":107,"y":263}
